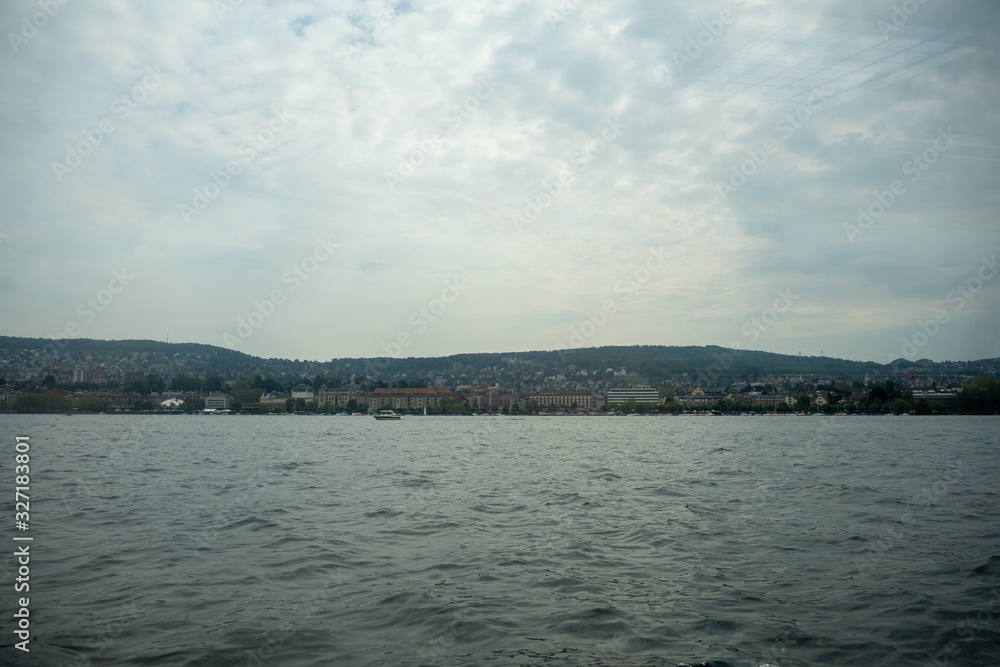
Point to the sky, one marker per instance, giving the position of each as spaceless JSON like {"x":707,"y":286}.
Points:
{"x":317,"y":180}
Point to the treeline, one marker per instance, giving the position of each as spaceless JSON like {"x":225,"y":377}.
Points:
{"x":982,"y":397}
{"x":706,"y":365}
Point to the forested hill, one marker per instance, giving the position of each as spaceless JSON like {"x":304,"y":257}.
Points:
{"x":655,"y":363}
{"x":119,"y":346}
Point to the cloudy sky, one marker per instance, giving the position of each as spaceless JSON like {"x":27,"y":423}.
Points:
{"x":351,"y":178}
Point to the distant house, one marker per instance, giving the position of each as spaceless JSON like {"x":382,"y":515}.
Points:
{"x":699,"y":398}
{"x":582,"y":398}
{"x":217,"y":401}
{"x":408,"y":398}
{"x":768,"y":400}
{"x":303,"y":391}
{"x":641,"y":393}
{"x":943,"y":398}
{"x":341,"y":396}
{"x":490,"y":398}
{"x":274,"y":400}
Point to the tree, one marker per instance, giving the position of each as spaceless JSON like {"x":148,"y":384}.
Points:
{"x":46,"y":401}
{"x":982,"y":397}
{"x":185,"y":383}
{"x":194,"y":405}
{"x":94,"y":404}
{"x":802,"y":403}
{"x":241,"y":385}
{"x":155,"y":383}
{"x":890,"y":390}
{"x":249,"y":395}
{"x":672,"y":407}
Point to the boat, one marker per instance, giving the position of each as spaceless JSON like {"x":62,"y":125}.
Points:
{"x":386,"y":414}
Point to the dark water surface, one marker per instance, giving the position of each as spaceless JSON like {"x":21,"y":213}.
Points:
{"x":509,"y":541}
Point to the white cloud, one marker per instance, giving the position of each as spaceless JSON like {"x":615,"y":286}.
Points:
{"x":362,"y":99}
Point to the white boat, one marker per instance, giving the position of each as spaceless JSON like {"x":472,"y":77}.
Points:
{"x":386,"y":414}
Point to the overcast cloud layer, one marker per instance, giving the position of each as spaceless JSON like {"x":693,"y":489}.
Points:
{"x":318,"y":180}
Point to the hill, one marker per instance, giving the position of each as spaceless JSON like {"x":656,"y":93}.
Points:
{"x":24,"y":358}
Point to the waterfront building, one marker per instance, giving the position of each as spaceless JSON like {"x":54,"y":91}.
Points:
{"x":341,"y":396}
{"x":217,"y":401}
{"x":407,"y":398}
{"x":303,"y":391}
{"x":642,"y":393}
{"x":582,"y":398}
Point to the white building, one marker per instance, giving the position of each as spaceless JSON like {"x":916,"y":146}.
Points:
{"x":642,"y":393}
{"x":303,"y":391}
{"x":217,"y":401}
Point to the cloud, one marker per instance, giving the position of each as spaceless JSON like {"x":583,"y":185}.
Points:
{"x":376,"y":88}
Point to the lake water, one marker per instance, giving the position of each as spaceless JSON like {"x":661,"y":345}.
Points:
{"x":729,"y":541}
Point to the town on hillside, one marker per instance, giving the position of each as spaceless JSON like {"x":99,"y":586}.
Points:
{"x":98,"y":376}
{"x":582,"y":392}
